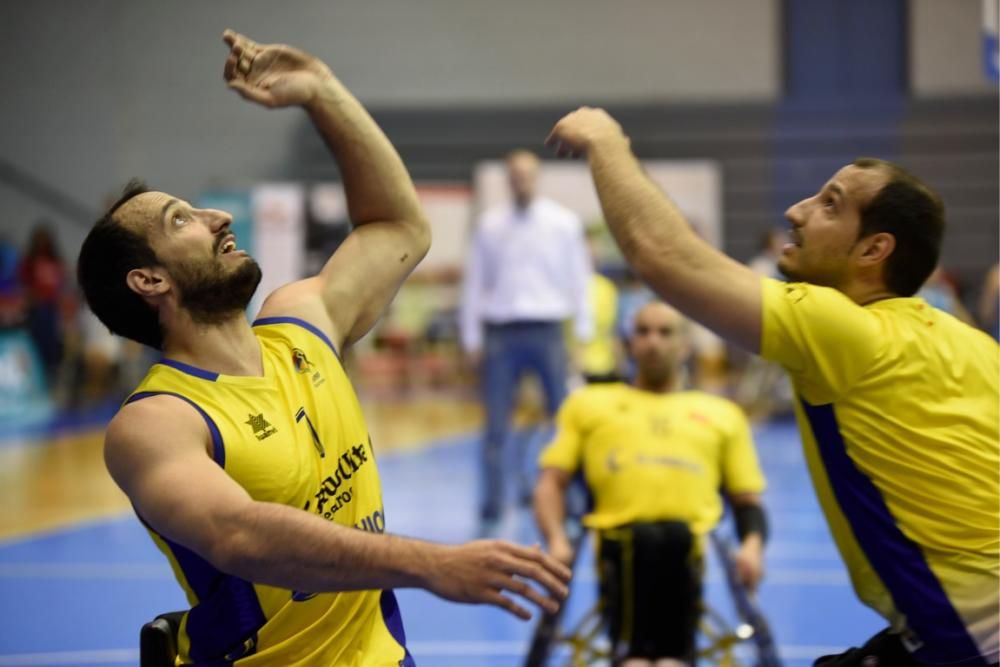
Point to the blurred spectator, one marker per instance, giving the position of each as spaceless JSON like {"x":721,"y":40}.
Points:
{"x":11,"y":302}
{"x":989,"y":308}
{"x":42,"y":274}
{"x":599,"y":357}
{"x":100,"y":354}
{"x":527,"y":272}
{"x":940,"y":292}
{"x":764,"y":389}
{"x":765,"y":263}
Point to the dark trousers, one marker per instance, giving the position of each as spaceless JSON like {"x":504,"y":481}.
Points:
{"x":511,"y":350}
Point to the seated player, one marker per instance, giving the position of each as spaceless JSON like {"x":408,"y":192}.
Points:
{"x":653,"y":458}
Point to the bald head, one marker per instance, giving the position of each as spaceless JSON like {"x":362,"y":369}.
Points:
{"x":659,"y":344}
{"x":522,"y":173}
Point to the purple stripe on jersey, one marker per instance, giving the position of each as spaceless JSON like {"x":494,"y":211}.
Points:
{"x":311,"y":328}
{"x":896,"y":559}
{"x":223,"y":625}
{"x":190,"y":370}
{"x":218,"y":448}
{"x":394,"y":621}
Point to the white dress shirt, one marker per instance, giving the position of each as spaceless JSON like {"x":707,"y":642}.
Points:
{"x":526,"y":264}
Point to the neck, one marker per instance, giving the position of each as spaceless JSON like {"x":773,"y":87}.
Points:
{"x":229,"y":347}
{"x":864,"y":292}
{"x":665,"y":385}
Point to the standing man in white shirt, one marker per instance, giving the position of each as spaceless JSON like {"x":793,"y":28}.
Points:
{"x":527,"y":272}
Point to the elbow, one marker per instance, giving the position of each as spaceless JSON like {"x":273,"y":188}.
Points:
{"x":420,"y":236}
{"x":234,"y":550}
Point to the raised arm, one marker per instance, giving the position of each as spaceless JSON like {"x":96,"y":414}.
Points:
{"x":657,"y":241}
{"x":390,"y":234}
{"x":157,"y":452}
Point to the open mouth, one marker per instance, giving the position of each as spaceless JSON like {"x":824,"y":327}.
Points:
{"x":228,"y":245}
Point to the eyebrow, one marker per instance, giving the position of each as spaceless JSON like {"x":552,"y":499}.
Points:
{"x":837,"y":190}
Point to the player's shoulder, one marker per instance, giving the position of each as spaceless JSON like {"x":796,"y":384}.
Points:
{"x":795,"y":293}
{"x":147,"y":417}
{"x":591,"y":396}
{"x":710,"y":404}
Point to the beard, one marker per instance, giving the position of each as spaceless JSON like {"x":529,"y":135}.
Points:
{"x":655,"y":371}
{"x":791,"y":274}
{"x":211,"y":294}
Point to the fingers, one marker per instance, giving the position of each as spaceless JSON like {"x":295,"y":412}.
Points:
{"x":531,"y":594}
{"x":536,"y":555}
{"x":496,"y":599}
{"x":539,"y":573}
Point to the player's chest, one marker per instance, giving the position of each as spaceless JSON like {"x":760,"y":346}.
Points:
{"x":650,"y":431}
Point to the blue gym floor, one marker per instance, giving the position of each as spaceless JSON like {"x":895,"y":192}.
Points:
{"x":79,"y":596}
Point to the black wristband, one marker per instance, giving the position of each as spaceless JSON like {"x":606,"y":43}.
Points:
{"x":750,"y":519}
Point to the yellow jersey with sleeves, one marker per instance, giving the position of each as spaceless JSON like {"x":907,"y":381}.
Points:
{"x":654,"y":457}
{"x":598,"y":355}
{"x":295,"y":436}
{"x":898,"y":411}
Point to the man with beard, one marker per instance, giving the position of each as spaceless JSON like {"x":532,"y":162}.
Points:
{"x":896,"y":401}
{"x":244,"y":450}
{"x":653,"y":458}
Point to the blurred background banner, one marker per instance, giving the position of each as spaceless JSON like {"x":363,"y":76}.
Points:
{"x":279,"y":234}
{"x":991,"y":52}
{"x":24,"y":396}
{"x":694,"y":185}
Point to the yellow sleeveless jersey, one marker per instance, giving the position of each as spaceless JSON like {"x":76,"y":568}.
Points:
{"x":295,"y":436}
{"x":654,"y":457}
{"x":899,"y":418}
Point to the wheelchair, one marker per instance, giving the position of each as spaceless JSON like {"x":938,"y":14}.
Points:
{"x":158,"y":640}
{"x":720,"y":640}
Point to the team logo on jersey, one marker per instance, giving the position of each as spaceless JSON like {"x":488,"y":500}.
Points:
{"x":260,"y":426}
{"x":302,"y":365}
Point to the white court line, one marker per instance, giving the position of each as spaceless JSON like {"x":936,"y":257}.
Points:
{"x":772,"y":577}
{"x":85,"y":571}
{"x":153,"y":571}
{"x":418,"y":649}
{"x":100,"y":657}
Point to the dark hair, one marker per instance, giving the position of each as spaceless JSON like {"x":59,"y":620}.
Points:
{"x":914,"y":214}
{"x":109,"y":252}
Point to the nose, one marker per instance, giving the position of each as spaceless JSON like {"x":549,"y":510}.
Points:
{"x":218,"y":220}
{"x":795,"y":213}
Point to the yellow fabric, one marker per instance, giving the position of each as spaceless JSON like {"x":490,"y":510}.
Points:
{"x":654,"y":457}
{"x":270,"y":450}
{"x":911,"y":395}
{"x":598,"y":356}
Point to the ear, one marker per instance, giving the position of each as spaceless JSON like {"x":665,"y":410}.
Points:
{"x":875,"y":249}
{"x":147,"y":282}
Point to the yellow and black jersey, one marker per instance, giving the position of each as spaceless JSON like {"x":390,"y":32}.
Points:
{"x":294,"y":436}
{"x":654,"y":456}
{"x":899,"y":418}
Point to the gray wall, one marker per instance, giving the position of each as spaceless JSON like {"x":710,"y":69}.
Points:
{"x":94,"y":92}
{"x":946,"y":48}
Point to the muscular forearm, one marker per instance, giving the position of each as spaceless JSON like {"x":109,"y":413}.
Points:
{"x":550,"y":510}
{"x":376,"y":183}
{"x":289,"y":548}
{"x":666,"y":252}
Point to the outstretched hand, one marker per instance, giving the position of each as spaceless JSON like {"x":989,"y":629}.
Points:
{"x":579,"y":131}
{"x":274,"y":75}
{"x":481,"y":572}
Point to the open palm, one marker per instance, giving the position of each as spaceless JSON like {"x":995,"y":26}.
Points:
{"x":274,"y":75}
